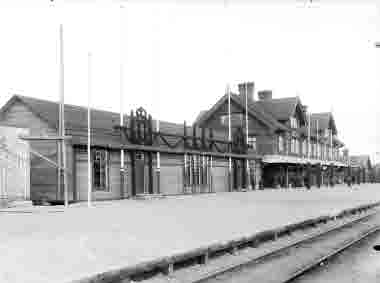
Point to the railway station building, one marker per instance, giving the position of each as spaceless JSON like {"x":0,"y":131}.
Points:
{"x":292,"y":153}
{"x":169,"y":159}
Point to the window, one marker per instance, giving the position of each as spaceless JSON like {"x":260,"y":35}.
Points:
{"x":224,"y":120}
{"x":304,"y":147}
{"x":293,"y":122}
{"x":294,"y":145}
{"x":236,"y":119}
{"x":280,"y":143}
{"x":100,"y":170}
{"x":197,"y":170}
{"x":252,"y":142}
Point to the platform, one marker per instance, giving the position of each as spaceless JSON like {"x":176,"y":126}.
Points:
{"x":53,"y":244}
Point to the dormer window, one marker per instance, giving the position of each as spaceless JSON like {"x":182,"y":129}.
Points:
{"x":293,"y":123}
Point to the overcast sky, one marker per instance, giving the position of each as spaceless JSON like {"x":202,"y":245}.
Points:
{"x":178,"y":57}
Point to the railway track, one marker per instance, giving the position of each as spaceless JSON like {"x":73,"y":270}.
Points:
{"x":282,"y":260}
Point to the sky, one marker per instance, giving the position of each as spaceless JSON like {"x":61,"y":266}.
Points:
{"x":178,"y":56}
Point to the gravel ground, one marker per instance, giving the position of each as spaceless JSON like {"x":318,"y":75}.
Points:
{"x":51,"y":244}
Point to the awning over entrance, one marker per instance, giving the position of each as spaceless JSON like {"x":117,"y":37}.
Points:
{"x":276,"y":158}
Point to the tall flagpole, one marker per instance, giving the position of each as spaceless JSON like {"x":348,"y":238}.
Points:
{"x":62,"y":110}
{"x":89,"y":77}
{"x":229,"y":137}
{"x":121,"y":89}
{"x":248,"y":183}
{"x":158,"y":159}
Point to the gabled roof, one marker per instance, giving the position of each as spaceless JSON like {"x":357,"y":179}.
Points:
{"x":325,"y":121}
{"x":75,"y":116}
{"x":253,"y":110}
{"x":102,"y":122}
{"x":280,"y":108}
{"x":313,"y":132}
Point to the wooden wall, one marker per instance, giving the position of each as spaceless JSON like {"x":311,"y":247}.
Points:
{"x":14,"y":164}
{"x":114,"y":174}
{"x":255,"y":126}
{"x":43,"y":176}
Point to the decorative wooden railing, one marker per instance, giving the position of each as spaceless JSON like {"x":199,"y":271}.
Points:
{"x":139,"y":131}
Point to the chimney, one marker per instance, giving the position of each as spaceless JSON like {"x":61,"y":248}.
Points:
{"x":265,"y":95}
{"x":246,"y":89}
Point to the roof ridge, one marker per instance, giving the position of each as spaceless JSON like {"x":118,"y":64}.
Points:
{"x":66,"y":104}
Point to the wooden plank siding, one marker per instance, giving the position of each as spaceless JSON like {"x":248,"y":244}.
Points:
{"x":114,"y":175}
{"x":220,"y":175}
{"x":43,"y":176}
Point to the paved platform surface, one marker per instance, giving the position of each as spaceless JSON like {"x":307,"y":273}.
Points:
{"x":51,"y":244}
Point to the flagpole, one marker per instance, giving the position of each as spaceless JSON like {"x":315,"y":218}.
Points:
{"x":89,"y":77}
{"x":158,"y":159}
{"x":229,"y":136}
{"x":248,"y":183}
{"x":62,"y":110}
{"x":121,"y":90}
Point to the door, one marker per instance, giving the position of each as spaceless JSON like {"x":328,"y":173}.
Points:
{"x":140,"y":173}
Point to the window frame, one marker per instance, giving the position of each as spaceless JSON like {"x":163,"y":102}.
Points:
{"x":252,"y":142}
{"x":106,"y":171}
{"x":281,"y":146}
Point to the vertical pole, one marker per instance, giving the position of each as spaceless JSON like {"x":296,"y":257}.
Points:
{"x":1,"y":184}
{"x":229,"y":139}
{"x":287,"y":176}
{"x":62,"y":108}
{"x":204,"y":172}
{"x":211,"y":179}
{"x":89,"y":183}
{"x":59,"y":143}
{"x":24,"y":164}
{"x":331,"y":145}
{"x":191,"y":172}
{"x":308,"y":137}
{"x":6,"y":181}
{"x":317,"y":141}
{"x":248,"y":182}
{"x":121,"y":90}
{"x":158,"y":159}
{"x":185,"y":174}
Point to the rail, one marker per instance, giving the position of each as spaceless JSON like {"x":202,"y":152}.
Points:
{"x":168,"y":265}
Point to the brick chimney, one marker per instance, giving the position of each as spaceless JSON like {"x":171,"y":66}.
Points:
{"x":246,"y":89}
{"x":265,"y":94}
